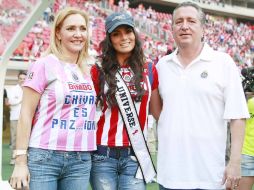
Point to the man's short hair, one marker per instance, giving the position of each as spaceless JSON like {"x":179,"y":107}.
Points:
{"x":21,"y":73}
{"x":194,"y":5}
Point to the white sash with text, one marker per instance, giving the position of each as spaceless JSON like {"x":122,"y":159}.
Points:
{"x":129,"y":114}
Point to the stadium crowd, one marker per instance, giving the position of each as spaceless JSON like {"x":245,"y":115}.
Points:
{"x":223,"y":33}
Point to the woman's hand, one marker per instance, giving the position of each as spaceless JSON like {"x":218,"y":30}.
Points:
{"x":20,"y":177}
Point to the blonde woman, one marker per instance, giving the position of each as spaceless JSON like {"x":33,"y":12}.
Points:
{"x":56,"y":129}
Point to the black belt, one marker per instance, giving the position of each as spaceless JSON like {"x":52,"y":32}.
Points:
{"x":114,"y":152}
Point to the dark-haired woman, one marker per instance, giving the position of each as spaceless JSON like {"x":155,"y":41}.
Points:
{"x":116,"y":163}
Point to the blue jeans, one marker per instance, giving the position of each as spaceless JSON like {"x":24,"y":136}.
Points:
{"x":163,"y":188}
{"x":58,"y":170}
{"x":114,"y":170}
{"x":247,"y":165}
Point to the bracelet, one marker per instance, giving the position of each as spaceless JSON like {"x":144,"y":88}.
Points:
{"x":19,"y":152}
{"x":20,"y":164}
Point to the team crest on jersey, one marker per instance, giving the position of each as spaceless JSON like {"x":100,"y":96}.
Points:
{"x":30,"y":75}
{"x":75,"y":77}
{"x":204,"y":74}
{"x":127,"y":76}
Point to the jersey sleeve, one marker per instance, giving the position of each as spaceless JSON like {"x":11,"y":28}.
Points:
{"x":95,"y":77}
{"x":36,"y":77}
{"x":155,"y":78}
{"x":151,"y":72}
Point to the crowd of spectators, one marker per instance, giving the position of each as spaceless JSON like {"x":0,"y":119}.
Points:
{"x":215,"y":2}
{"x":237,"y":39}
{"x":224,"y":34}
{"x":10,"y":20}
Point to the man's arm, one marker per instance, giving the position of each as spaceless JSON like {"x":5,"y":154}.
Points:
{"x":249,"y":95}
{"x":232,"y":173}
{"x":155,"y":104}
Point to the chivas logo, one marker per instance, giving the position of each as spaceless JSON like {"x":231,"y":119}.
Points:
{"x":30,"y":75}
{"x":204,"y":74}
{"x":75,"y":77}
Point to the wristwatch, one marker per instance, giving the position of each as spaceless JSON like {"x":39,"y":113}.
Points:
{"x":19,"y":152}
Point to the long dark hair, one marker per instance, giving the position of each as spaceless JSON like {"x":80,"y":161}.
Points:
{"x":110,"y":65}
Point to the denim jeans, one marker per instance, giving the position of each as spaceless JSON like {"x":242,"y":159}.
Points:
{"x":247,"y":165}
{"x":110,"y":173}
{"x":163,"y":188}
{"x":58,"y":170}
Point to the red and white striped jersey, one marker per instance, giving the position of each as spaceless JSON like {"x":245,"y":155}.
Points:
{"x":111,"y":129}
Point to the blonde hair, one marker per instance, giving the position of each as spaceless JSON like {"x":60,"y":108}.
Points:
{"x":55,"y":44}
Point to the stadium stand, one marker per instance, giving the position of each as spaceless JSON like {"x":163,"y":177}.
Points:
{"x":225,"y":33}
{"x":12,"y":13}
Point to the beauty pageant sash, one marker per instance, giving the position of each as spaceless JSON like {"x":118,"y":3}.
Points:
{"x":129,"y":114}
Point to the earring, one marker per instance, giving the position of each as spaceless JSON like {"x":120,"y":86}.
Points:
{"x":202,"y":39}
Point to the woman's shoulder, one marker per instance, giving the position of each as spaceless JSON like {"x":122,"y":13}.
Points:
{"x":47,"y":59}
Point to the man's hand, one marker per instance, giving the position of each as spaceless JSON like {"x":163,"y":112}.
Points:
{"x":232,"y":176}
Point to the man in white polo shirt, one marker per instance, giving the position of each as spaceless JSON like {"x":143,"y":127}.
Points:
{"x":15,"y":97}
{"x":201,"y":91}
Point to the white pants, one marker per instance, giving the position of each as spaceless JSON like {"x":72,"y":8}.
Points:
{"x":13,"y":129}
